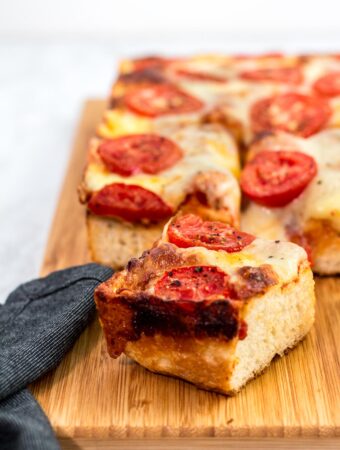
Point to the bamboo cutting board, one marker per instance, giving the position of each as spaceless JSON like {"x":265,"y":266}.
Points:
{"x":95,"y":402}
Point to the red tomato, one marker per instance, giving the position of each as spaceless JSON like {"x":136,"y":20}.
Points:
{"x":163,"y":99}
{"x":128,"y":201}
{"x":139,"y":153}
{"x":191,"y":231}
{"x":290,"y":75}
{"x":295,"y":113}
{"x":151,"y":62}
{"x":193,"y":283}
{"x":200,"y":76}
{"x":328,"y":85}
{"x":275,"y":178}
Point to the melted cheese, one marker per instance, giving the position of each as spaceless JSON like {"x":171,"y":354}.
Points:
{"x":284,"y":257}
{"x":117,"y":123}
{"x":206,"y":149}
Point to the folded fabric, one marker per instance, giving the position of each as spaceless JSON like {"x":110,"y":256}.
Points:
{"x":39,"y":323}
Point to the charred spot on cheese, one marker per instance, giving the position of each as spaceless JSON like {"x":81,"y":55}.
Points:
{"x":115,"y":102}
{"x":252,"y":281}
{"x":143,"y":76}
{"x":161,"y":258}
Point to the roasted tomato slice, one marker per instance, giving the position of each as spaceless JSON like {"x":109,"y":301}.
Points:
{"x":275,"y":178}
{"x":191,"y":231}
{"x":128,"y":201}
{"x":295,"y":113}
{"x":160,"y":100}
{"x":151,"y":62}
{"x":200,"y":76}
{"x":328,"y":85}
{"x":194,"y":283}
{"x":139,"y":153}
{"x":290,"y":75}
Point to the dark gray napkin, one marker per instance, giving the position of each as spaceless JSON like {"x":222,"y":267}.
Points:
{"x":39,"y":323}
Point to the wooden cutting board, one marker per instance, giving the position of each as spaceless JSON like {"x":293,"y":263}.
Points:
{"x":95,"y":402}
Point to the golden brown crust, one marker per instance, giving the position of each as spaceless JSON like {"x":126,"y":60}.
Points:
{"x":212,"y":362}
{"x":127,"y":295}
{"x":324,"y":241}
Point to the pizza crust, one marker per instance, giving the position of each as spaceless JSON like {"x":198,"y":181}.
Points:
{"x":276,"y":321}
{"x":114,"y":243}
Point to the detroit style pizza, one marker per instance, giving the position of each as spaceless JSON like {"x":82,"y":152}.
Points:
{"x":213,"y":181}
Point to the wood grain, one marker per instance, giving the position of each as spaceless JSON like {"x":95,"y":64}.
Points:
{"x":94,"y":401}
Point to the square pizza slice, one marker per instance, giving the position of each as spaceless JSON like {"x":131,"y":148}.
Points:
{"x":208,"y":304}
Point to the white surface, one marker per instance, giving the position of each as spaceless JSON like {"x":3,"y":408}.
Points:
{"x":111,"y":17}
{"x":42,"y":87}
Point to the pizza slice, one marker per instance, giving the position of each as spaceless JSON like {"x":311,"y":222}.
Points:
{"x":134,"y":183}
{"x":208,"y":303}
{"x":293,"y":185}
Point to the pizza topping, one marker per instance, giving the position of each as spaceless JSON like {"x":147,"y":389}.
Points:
{"x":142,"y":76}
{"x":328,"y":85}
{"x":194,"y":283}
{"x":151,"y":62}
{"x":290,"y":75}
{"x":129,"y":202}
{"x":275,"y":178}
{"x":160,"y":100}
{"x":139,"y":153}
{"x":299,"y":114}
{"x":252,"y":281}
{"x":191,"y":231}
{"x":200,"y":76}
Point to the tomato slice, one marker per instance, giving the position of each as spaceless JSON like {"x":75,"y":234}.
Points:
{"x":194,"y":283}
{"x":290,"y":75}
{"x":275,"y":178}
{"x":151,"y":62}
{"x":128,"y":201}
{"x":328,"y":85}
{"x":191,"y":231}
{"x":139,"y":153}
{"x":200,"y":76}
{"x":295,"y":113}
{"x":160,"y":100}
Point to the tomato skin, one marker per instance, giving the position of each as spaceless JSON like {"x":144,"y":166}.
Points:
{"x":190,"y":230}
{"x":151,"y":62}
{"x":290,"y":75}
{"x":328,"y":85}
{"x":295,"y":113}
{"x":159,"y":100}
{"x":200,"y":76}
{"x":275,"y":178}
{"x":129,"y":202}
{"x":194,"y":283}
{"x":139,"y":153}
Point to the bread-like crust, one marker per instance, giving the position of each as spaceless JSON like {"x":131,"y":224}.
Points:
{"x":221,"y":366}
{"x":276,"y":321}
{"x":114,"y":243}
{"x":324,"y":241}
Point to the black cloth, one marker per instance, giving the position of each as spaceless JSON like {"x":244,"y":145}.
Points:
{"x":39,"y":323}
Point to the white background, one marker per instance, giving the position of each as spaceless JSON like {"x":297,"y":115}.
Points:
{"x":55,"y":54}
